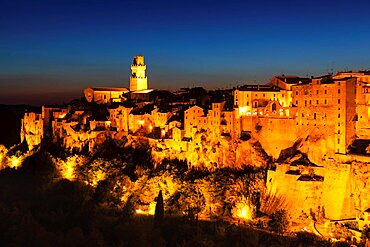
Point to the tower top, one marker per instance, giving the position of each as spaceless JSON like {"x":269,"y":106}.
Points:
{"x":138,"y":79}
{"x":138,"y":60}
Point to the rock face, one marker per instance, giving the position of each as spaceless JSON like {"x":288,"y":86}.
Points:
{"x":210,"y":152}
{"x":32,"y":129}
{"x":339,"y":187}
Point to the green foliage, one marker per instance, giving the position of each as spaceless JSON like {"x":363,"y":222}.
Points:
{"x":279,"y":221}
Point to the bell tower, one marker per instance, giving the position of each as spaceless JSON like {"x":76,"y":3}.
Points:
{"x":138,"y":79}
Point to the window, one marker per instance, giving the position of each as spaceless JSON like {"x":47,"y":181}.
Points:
{"x":296,"y":102}
{"x":338,"y":124}
{"x":314,"y":115}
{"x":325,"y":91}
{"x":338,"y":83}
{"x":338,"y":131}
{"x":338,"y":101}
{"x":338,"y":91}
{"x":338,"y":141}
{"x":296,"y":92}
{"x":317,"y":91}
{"x":317,"y":102}
{"x":325,"y":102}
{"x":339,"y":115}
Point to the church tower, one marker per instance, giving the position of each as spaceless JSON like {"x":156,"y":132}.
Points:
{"x":138,"y":79}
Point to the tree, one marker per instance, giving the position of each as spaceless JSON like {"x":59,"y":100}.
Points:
{"x":159,"y":210}
{"x":278,"y":221}
{"x":365,"y":234}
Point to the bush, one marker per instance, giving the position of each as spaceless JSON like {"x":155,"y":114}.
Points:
{"x":279,"y":221}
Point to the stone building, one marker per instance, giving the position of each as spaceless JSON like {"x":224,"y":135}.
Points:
{"x":331,"y":103}
{"x":104,"y":95}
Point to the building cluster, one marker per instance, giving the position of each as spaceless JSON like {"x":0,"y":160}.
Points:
{"x":334,"y":106}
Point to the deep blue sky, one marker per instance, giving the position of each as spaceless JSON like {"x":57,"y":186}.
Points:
{"x":51,"y":50}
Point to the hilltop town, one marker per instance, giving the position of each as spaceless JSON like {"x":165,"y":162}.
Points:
{"x":315,"y":131}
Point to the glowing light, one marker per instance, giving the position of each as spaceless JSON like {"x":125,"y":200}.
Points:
{"x":139,"y":211}
{"x":242,"y":110}
{"x":163,"y":132}
{"x":140,"y":122}
{"x":150,"y":211}
{"x":242,"y":210}
{"x":15,"y":161}
{"x":150,"y":127}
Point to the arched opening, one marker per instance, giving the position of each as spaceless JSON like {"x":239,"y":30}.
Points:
{"x":273,"y":107}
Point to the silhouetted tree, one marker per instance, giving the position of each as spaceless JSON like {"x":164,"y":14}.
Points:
{"x":159,"y":210}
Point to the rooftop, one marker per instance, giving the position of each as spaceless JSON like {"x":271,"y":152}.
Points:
{"x":292,"y":79}
{"x":116,"y":89}
{"x":262,"y":88}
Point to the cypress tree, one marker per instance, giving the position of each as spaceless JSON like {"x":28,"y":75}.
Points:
{"x":159,"y":210}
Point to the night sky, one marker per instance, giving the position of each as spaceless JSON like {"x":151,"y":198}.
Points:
{"x":51,"y":50}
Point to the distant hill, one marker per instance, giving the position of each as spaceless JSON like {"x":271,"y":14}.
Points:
{"x":10,"y":123}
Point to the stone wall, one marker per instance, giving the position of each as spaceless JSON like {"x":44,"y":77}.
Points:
{"x":344,"y":191}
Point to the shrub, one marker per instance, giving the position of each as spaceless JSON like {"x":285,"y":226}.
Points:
{"x":279,"y":221}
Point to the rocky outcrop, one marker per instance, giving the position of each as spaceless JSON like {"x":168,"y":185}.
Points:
{"x":32,"y":129}
{"x":206,"y":150}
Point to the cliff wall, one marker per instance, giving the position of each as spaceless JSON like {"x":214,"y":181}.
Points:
{"x":342,"y":191}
